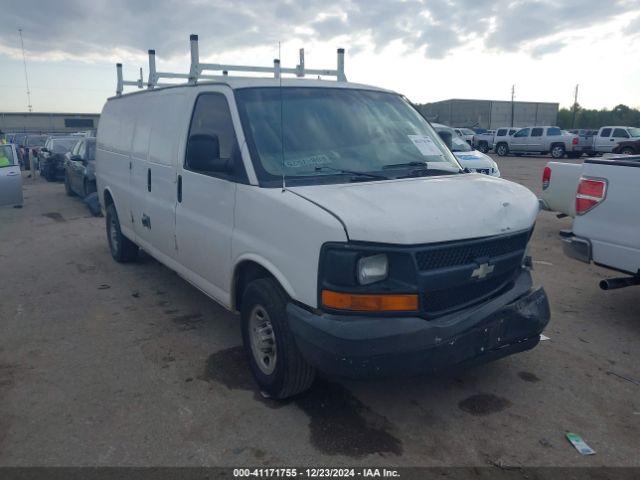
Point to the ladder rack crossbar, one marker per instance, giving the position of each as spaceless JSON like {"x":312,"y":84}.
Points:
{"x":196,"y":70}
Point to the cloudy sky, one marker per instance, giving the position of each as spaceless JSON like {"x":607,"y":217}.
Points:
{"x":427,"y":49}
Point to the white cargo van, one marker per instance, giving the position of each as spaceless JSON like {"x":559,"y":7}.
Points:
{"x":331,"y":216}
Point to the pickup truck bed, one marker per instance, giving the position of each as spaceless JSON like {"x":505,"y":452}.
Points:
{"x":608,"y":234}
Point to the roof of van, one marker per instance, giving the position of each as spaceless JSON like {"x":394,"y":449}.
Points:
{"x":249,"y":82}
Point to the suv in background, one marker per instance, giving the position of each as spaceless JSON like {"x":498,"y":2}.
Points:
{"x":543,"y":140}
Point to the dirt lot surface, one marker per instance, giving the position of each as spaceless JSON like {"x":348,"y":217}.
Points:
{"x":109,"y":364}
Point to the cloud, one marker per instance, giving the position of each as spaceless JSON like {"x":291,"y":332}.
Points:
{"x":91,"y":29}
{"x":543,"y":49}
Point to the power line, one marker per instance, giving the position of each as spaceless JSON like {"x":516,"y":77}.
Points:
{"x":26,"y":75}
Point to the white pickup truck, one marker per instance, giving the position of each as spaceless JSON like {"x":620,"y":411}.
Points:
{"x":605,"y":139}
{"x":602,"y":195}
{"x":484,"y":142}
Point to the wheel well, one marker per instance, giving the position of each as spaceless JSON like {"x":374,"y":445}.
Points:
{"x":246,"y":272}
{"x":558,"y":144}
{"x":502,"y":143}
{"x":108,"y":199}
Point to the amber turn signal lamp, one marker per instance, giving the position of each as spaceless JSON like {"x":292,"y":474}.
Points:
{"x":370,"y":303}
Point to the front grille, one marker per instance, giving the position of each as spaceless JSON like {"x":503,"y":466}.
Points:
{"x":439,"y":301}
{"x":467,"y":252}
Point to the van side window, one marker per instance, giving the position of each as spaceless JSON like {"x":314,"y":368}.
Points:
{"x":212,"y":129}
{"x":620,"y":133}
{"x":605,"y":132}
{"x":536,"y":132}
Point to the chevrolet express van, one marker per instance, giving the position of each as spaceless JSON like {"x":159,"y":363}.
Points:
{"x":331,"y":216}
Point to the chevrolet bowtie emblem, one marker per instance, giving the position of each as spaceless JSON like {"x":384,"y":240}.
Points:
{"x":482,"y":271}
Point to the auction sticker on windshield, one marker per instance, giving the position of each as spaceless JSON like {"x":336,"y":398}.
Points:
{"x":425,"y":144}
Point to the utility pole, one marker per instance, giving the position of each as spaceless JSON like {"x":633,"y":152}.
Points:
{"x":513,"y":96}
{"x":26,"y":75}
{"x":575,"y":107}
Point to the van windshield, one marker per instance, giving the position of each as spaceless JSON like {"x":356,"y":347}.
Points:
{"x":329,"y":131}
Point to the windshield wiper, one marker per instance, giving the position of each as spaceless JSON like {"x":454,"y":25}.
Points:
{"x":422,"y":171}
{"x":352,"y":172}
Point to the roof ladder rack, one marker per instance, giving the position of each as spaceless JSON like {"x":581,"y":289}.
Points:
{"x":196,"y":70}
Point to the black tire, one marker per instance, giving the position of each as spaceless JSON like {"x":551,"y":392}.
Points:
{"x":557,"y":151}
{"x":627,"y":151}
{"x":122,"y":249}
{"x":67,"y":186}
{"x":291,"y":374}
{"x":502,"y":149}
{"x":483,"y":147}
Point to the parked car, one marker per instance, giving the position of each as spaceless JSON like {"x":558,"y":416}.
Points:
{"x":484,"y":142}
{"x":51,"y":157}
{"x":541,"y":140}
{"x":465,"y":133}
{"x":10,"y":176}
{"x":473,"y":160}
{"x":30,"y":147}
{"x":79,"y":168}
{"x":334,"y":220}
{"x":608,"y":137}
{"x":606,"y":228}
{"x":629,"y":147}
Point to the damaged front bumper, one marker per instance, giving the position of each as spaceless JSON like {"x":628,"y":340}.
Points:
{"x":362,"y":346}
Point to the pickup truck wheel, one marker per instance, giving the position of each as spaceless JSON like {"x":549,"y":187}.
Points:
{"x":557,"y":151}
{"x":627,"y":151}
{"x":483,"y":147}
{"x":274,"y":358}
{"x":502,"y":149}
{"x":122,"y":249}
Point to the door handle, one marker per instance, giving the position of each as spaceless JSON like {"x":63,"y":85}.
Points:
{"x":148,"y":179}
{"x":179,"y":188}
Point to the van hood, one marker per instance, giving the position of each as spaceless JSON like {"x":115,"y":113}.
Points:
{"x":426,"y":209}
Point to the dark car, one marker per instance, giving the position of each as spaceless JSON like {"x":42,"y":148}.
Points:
{"x":51,"y":157}
{"x":628,"y":147}
{"x":79,"y":168}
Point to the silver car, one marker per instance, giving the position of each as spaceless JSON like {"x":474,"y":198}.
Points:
{"x":10,"y":176}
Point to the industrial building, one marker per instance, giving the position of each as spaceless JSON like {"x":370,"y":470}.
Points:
{"x":14,"y":122}
{"x":490,"y":113}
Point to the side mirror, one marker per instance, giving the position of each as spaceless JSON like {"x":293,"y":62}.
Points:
{"x":447,"y":138}
{"x":203,"y":154}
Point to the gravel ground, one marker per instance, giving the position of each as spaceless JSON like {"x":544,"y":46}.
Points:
{"x":109,"y":364}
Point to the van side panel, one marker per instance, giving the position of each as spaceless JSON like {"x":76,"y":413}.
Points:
{"x":115,"y":134}
{"x":160,"y":126}
{"x":286,"y":231}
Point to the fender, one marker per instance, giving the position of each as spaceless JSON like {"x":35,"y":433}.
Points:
{"x":268,"y":266}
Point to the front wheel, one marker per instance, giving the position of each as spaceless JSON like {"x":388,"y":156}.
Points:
{"x":483,"y":147}
{"x":274,"y":358}
{"x":627,"y":151}
{"x":502,"y":149}
{"x":557,"y":151}
{"x":122,"y":249}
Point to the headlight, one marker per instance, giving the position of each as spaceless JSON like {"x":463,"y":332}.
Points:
{"x":372,"y":269}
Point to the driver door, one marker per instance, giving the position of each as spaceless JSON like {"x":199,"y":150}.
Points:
{"x":206,"y":197}
{"x":520,"y":141}
{"x":10,"y":176}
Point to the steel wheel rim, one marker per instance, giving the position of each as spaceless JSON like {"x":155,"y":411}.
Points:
{"x":113,"y":235}
{"x":263,"y":340}
{"x":557,"y":151}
